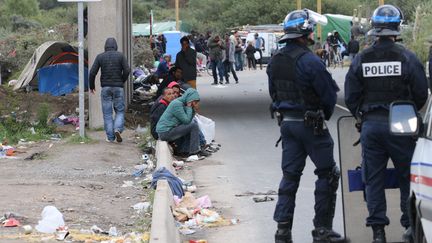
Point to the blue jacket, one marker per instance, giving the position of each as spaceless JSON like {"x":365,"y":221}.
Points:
{"x":310,"y":72}
{"x":412,"y":69}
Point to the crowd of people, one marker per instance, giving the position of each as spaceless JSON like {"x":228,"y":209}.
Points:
{"x":335,"y":45}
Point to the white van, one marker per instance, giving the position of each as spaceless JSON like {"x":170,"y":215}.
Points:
{"x":420,"y":201}
{"x":270,"y":43}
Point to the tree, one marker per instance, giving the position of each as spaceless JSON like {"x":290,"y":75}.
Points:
{"x":49,"y":4}
{"x":25,"y":8}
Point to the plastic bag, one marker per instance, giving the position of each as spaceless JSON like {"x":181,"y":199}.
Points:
{"x":207,"y":127}
{"x":51,"y":220}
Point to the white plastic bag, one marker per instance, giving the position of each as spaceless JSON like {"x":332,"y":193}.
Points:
{"x":51,"y":220}
{"x":207,"y":127}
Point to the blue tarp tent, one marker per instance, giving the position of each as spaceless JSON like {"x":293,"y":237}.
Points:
{"x":60,"y":79}
{"x":173,"y":43}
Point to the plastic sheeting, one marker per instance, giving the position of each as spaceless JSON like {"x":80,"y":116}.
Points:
{"x":60,"y":79}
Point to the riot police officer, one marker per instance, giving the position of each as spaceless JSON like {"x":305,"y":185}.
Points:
{"x":381,"y":74}
{"x":304,"y":95}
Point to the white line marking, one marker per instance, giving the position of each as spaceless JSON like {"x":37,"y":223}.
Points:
{"x":343,"y":108}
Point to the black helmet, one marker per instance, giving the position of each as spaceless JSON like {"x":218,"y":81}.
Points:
{"x":386,"y":21}
{"x":297,"y":24}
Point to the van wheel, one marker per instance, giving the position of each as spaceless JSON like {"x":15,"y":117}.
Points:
{"x":419,"y":234}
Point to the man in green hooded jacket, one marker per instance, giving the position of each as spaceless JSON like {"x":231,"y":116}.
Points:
{"x":177,"y":122}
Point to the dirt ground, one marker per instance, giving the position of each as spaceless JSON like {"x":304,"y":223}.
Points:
{"x":84,"y":181}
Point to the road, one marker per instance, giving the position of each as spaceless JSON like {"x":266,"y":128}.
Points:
{"x":249,"y":161}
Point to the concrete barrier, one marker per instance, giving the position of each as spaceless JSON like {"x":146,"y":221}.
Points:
{"x":163,"y":228}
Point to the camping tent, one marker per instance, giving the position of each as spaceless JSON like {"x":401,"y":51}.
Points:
{"x":339,"y":23}
{"x":53,"y":68}
{"x":158,"y":28}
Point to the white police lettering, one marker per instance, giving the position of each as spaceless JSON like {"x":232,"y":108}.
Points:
{"x":382,"y":69}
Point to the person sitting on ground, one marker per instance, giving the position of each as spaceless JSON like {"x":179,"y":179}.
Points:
{"x":176,"y":89}
{"x":159,"y":108}
{"x":175,"y":75}
{"x":163,"y":67}
{"x":177,"y":125}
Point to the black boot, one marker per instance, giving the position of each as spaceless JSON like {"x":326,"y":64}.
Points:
{"x":323,"y":235}
{"x":378,"y":234}
{"x":283,"y":233}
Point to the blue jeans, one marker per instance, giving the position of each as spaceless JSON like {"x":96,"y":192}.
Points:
{"x":113,"y":98}
{"x":378,"y":145}
{"x":239,"y":61}
{"x":217,"y":64}
{"x":298,"y":142}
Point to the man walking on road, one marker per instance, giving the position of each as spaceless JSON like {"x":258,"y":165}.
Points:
{"x":259,"y":47}
{"x":368,"y":95}
{"x":186,"y":60}
{"x":304,"y":94}
{"x":229,"y":59}
{"x":216,"y":48}
{"x":114,"y":73}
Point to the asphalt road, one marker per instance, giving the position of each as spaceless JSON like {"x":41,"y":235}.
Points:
{"x":249,"y":161}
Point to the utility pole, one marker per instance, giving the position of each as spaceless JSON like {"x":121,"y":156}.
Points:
{"x":319,"y":10}
{"x":381,"y":2}
{"x":177,"y":9}
{"x":299,"y":3}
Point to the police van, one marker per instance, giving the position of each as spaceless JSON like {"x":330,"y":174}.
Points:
{"x":404,"y":121}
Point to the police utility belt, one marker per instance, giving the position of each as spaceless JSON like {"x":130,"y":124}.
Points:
{"x":311,"y":118}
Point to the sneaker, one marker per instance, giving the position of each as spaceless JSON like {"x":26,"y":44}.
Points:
{"x":119,"y":139}
{"x":237,"y":82}
{"x":215,"y":83}
{"x":204,"y":153}
{"x":109,"y":141}
{"x":221,"y":82}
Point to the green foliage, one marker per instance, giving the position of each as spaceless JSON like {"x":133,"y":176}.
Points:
{"x":143,"y":55}
{"x":421,"y":44}
{"x":141,"y":11}
{"x":26,"y":8}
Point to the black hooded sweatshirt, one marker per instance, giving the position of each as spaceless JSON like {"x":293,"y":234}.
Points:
{"x":113,"y":64}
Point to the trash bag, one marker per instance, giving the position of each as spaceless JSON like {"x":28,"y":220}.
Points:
{"x":207,"y":127}
{"x":51,"y":220}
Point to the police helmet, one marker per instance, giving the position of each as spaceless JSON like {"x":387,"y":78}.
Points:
{"x":386,"y":21}
{"x":297,"y":24}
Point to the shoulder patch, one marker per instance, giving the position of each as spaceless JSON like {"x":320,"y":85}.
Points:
{"x":381,"y":69}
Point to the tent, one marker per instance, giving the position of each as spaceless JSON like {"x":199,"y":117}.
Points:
{"x":158,"y":28}
{"x":53,"y":69}
{"x":340,"y":23}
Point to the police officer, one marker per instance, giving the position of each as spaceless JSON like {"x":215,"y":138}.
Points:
{"x":304,"y":94}
{"x":381,"y":74}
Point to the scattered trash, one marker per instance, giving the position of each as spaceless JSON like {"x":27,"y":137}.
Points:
{"x":142,"y":207}
{"x":235,"y":221}
{"x":62,"y":233}
{"x":186,"y":231}
{"x":145,"y":157}
{"x":128,"y":184}
{"x":192,"y":188}
{"x":6,"y":151}
{"x":174,"y":182}
{"x":113,"y":231}
{"x":204,"y":202}
{"x":27,"y":229}
{"x":56,"y":137}
{"x":51,"y":220}
{"x":35,"y":156}
{"x":178,"y":163}
{"x":248,"y":193}
{"x":95,"y":229}
{"x":263,"y":199}
{"x":11,"y":222}
{"x":198,"y":241}
{"x":193,"y":158}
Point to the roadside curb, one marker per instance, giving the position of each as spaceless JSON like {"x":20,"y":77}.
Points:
{"x":163,"y":228}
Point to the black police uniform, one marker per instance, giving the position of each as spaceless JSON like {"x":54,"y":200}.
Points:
{"x":381,"y":74}
{"x":298,"y":83}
